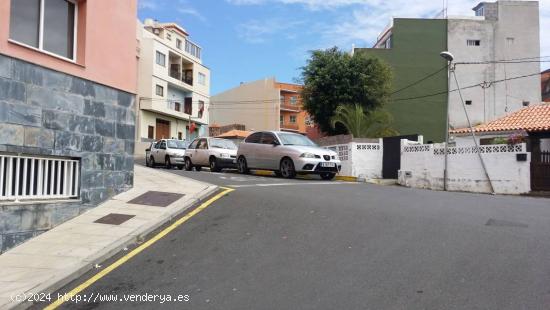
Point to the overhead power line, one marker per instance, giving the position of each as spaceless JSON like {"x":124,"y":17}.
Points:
{"x":467,"y":87}
{"x":421,"y":80}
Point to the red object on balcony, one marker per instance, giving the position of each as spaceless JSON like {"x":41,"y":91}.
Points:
{"x":192,"y":127}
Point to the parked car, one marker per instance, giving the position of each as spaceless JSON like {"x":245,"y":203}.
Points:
{"x":287,"y":154}
{"x":211,"y":152}
{"x":168,"y":152}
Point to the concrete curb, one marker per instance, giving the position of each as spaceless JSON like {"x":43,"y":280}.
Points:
{"x":110,"y":250}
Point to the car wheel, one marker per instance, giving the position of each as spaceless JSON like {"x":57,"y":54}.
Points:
{"x":188,"y":164}
{"x":167,"y":163}
{"x":152,"y":162}
{"x":242,"y":165}
{"x":287,"y":168}
{"x":147,"y":164}
{"x":328,"y":176}
{"x":213,"y":165}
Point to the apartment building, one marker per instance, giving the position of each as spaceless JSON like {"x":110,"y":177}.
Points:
{"x":501,"y":30}
{"x":67,"y":118}
{"x":262,"y":105}
{"x":173,"y":85}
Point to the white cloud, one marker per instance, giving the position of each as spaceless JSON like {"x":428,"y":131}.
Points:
{"x":147,"y":5}
{"x":260,"y":31}
{"x":192,"y":12}
{"x":362,"y":20}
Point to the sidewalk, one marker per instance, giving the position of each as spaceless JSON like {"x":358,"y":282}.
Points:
{"x":53,"y":259}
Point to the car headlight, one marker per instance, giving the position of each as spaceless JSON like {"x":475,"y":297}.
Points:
{"x":223,"y":155}
{"x":308,"y":155}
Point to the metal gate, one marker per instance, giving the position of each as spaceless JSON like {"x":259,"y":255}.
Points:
{"x":391,"y":162}
{"x":540,"y":170}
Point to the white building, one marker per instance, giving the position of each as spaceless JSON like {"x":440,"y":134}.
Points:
{"x":173,"y":85}
{"x":502,"y":30}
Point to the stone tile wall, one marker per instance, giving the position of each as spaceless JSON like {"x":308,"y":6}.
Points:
{"x":48,"y":113}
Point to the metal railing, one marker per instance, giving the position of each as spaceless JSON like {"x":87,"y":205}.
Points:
{"x":30,"y":177}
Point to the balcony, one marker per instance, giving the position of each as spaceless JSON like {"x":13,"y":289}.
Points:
{"x":285,"y":106}
{"x":180,"y":70}
{"x":289,"y":126}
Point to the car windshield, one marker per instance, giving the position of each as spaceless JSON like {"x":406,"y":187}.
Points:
{"x":176,"y":144}
{"x":223,"y":144}
{"x":295,"y":139}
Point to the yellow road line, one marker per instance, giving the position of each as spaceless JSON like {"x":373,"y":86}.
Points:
{"x":137,"y":250}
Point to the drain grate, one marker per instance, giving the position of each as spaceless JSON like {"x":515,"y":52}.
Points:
{"x":114,"y":219}
{"x":156,"y":199}
{"x":501,"y":223}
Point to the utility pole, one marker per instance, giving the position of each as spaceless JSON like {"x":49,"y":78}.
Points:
{"x":449,"y":58}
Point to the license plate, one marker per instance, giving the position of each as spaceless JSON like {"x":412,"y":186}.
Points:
{"x":328,"y":165}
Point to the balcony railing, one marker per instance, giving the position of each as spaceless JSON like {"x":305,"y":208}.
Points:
{"x":289,"y":126}
{"x":291,"y":107}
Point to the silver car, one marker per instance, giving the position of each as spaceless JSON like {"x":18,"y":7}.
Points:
{"x":287,"y":154}
{"x":211,"y":152}
{"x":169,"y":152}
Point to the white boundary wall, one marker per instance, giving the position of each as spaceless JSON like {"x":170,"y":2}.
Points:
{"x":422,"y":166}
{"x":362,"y":160}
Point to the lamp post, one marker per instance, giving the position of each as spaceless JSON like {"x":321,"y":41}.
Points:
{"x":449,"y":58}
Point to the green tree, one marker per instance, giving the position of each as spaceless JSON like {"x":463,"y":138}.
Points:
{"x":332,"y":77}
{"x":374,"y":124}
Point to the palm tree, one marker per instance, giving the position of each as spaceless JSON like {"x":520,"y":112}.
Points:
{"x":361,"y":124}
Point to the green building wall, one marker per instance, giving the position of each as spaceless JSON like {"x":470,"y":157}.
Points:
{"x":416,"y":44}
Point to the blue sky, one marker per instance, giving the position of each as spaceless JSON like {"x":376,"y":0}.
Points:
{"x":246,"y":40}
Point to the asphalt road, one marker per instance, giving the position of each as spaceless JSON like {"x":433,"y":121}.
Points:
{"x":302,"y":244}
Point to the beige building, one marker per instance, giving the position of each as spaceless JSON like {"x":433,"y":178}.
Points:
{"x":173,"y":85}
{"x":262,"y":105}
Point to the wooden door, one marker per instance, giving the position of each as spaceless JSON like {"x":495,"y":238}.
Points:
{"x":163,"y":129}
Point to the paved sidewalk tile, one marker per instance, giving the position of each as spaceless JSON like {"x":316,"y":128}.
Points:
{"x":54,"y":258}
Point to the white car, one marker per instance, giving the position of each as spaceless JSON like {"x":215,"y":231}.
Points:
{"x":211,"y":152}
{"x":169,"y":152}
{"x":287,"y":154}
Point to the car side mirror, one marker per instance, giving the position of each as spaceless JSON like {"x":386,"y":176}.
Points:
{"x":275,"y":143}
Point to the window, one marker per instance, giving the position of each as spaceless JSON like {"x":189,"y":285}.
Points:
{"x":268,"y":138}
{"x":150,"y":132}
{"x":48,"y":25}
{"x":177,"y":107}
{"x":480,"y":11}
{"x":468,"y":102}
{"x":193,"y":144}
{"x":201,"y":108}
{"x":192,"y":49}
{"x":180,"y":135}
{"x":293,"y":119}
{"x":178,"y":43}
{"x":188,"y":106}
{"x":161,"y":59}
{"x":281,"y":119}
{"x":202,"y":78}
{"x":510,"y":41}
{"x":473,"y":42}
{"x":254,"y":138}
{"x":202,"y":145}
{"x":159,"y":90}
{"x":293,"y":100}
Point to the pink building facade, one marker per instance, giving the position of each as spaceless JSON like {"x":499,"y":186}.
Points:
{"x":68,"y":79}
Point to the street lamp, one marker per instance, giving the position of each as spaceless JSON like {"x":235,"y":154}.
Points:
{"x":449,"y":58}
